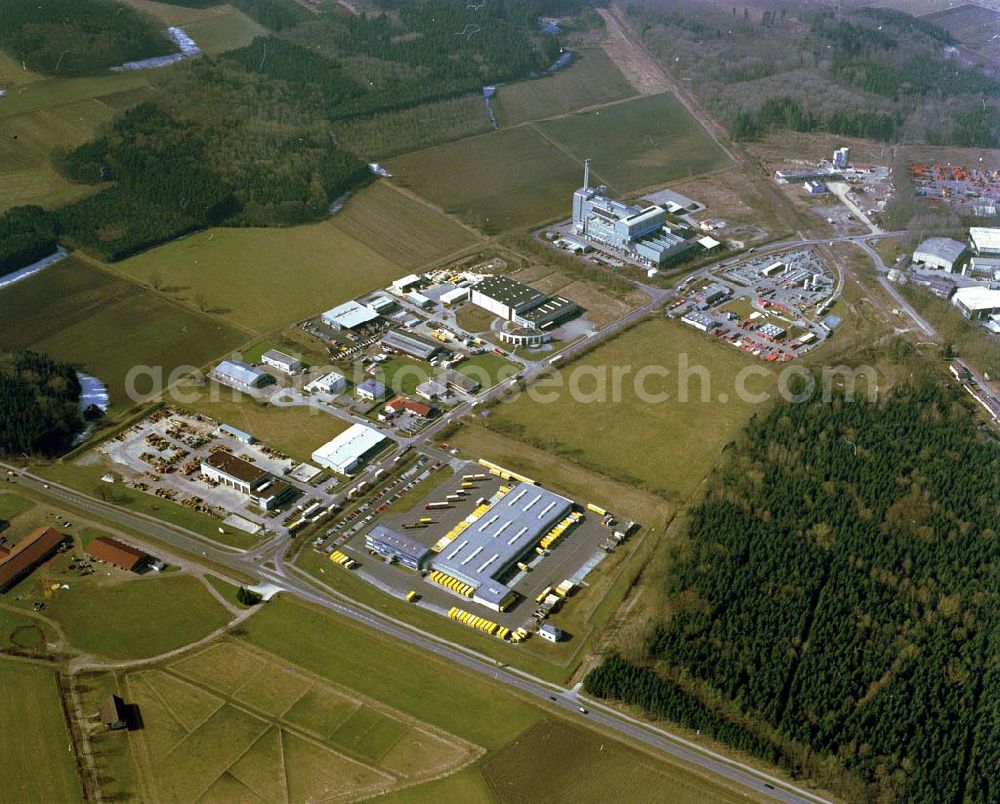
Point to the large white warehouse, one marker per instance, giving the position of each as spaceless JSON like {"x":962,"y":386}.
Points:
{"x":346,"y":452}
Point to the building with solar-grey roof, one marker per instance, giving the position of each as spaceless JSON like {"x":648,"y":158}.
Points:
{"x":238,"y":374}
{"x":396,"y":546}
{"x":409,"y":344}
{"x":940,"y":252}
{"x":485,"y":551}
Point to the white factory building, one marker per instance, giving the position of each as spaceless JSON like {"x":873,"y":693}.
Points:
{"x":345,"y":453}
{"x":331,"y":383}
{"x":639,"y":232}
{"x":237,"y":374}
{"x":282,"y":362}
{"x":454,"y":296}
{"x":985,"y":241}
{"x":940,"y":252}
{"x":977,"y":302}
{"x":349,"y":315}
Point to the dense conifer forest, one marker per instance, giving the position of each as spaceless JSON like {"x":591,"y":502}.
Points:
{"x":74,"y":37}
{"x":840,"y":588}
{"x":27,"y":234}
{"x":40,"y":400}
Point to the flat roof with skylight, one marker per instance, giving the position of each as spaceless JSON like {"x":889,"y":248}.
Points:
{"x":514,"y":524}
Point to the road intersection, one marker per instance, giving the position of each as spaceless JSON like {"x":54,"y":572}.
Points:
{"x":266,"y":561}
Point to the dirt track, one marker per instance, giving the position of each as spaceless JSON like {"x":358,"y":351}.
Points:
{"x":639,"y":67}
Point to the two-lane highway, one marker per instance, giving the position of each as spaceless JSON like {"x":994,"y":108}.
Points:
{"x":294,"y":584}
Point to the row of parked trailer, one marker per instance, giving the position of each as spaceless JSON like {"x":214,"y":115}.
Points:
{"x":554,"y":535}
{"x":344,"y":560}
{"x":455,"y":585}
{"x":505,"y":474}
{"x":479,"y":623}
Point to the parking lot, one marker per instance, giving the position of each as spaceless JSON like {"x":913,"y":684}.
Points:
{"x":569,"y":558}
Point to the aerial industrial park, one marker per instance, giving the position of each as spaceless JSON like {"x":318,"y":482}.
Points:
{"x":498,"y":403}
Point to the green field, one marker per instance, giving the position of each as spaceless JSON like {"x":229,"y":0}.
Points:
{"x":476,"y":179}
{"x":399,"y":228}
{"x":557,"y":762}
{"x":391,"y":133}
{"x":408,"y":680}
{"x":80,"y":314}
{"x":137,"y":617}
{"x":263,"y":279}
{"x":19,"y":630}
{"x":40,"y":115}
{"x":640,"y":143}
{"x":523,"y":744}
{"x":591,"y":80}
{"x":228,"y":721}
{"x":467,"y":786}
{"x":35,"y":765}
{"x":227,"y":590}
{"x":488,"y":368}
{"x":27,"y":175}
{"x":679,"y":440}
{"x":295,"y":431}
{"x":11,"y":505}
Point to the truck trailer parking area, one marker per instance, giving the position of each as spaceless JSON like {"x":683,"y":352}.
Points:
{"x":487,"y":544}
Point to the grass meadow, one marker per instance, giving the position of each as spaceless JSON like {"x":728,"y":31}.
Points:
{"x":75,"y":312}
{"x":640,"y":143}
{"x":214,"y":28}
{"x":131,"y":617}
{"x":295,"y":431}
{"x":476,"y":178}
{"x":678,"y":441}
{"x":35,"y":765}
{"x":408,"y":680}
{"x":554,"y":761}
{"x":41,"y":115}
{"x":591,"y":80}
{"x":402,"y":230}
{"x":228,"y":721}
{"x":263,"y":279}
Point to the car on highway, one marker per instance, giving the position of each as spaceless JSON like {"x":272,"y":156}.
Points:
{"x":584,"y":710}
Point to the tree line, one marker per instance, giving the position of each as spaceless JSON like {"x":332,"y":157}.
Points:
{"x":40,"y":400}
{"x":74,"y":37}
{"x":840,"y":587}
{"x":27,"y":234}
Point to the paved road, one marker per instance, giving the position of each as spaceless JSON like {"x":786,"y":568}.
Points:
{"x":567,"y":699}
{"x":904,"y":305}
{"x":260,"y":560}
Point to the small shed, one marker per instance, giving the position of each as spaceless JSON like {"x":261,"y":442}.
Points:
{"x":114,"y":713}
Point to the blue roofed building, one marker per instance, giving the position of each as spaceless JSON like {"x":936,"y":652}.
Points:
{"x":238,"y":374}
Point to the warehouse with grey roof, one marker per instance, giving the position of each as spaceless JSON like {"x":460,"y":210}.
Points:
{"x":485,"y":550}
{"x":940,"y":252}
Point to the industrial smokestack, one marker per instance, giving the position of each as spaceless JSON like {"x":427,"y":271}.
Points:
{"x":586,"y":174}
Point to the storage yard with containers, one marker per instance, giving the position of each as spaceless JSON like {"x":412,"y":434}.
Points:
{"x":775,"y":307}
{"x":971,"y":191}
{"x":489,"y":548}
